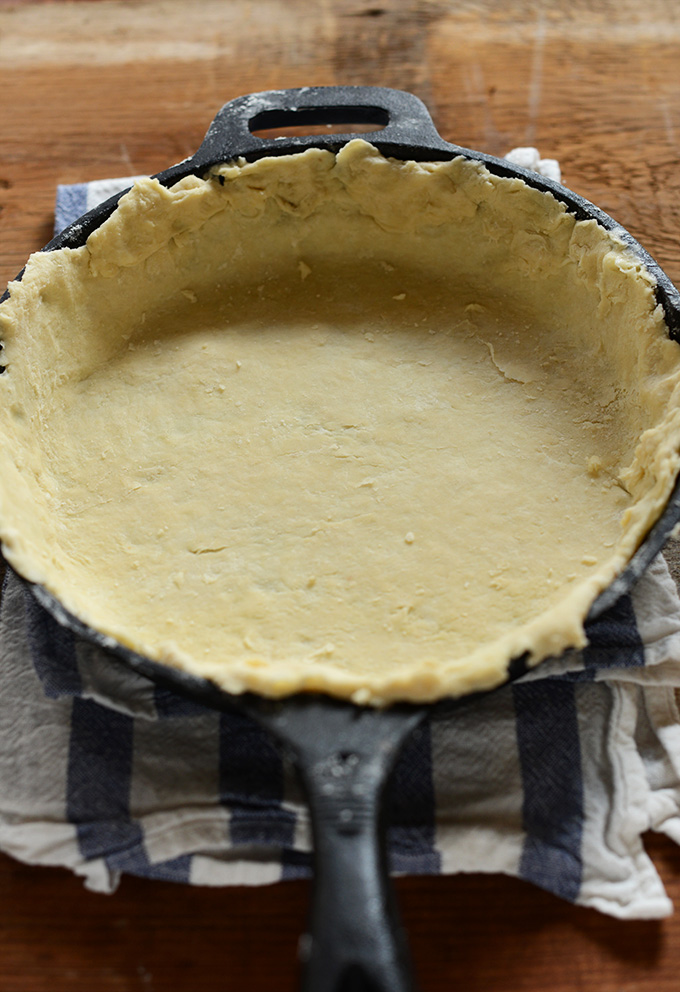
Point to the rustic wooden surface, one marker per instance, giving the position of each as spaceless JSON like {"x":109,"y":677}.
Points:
{"x":99,"y":88}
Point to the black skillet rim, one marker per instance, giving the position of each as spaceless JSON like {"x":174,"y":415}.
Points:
{"x":408,"y":133}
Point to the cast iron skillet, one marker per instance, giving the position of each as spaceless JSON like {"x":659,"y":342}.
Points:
{"x":345,"y":753}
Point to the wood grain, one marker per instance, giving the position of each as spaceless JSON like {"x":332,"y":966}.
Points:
{"x":99,"y":88}
{"x":474,"y":932}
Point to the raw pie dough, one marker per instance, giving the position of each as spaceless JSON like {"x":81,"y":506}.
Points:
{"x":336,"y":423}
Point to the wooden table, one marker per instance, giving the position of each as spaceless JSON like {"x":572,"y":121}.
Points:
{"x":100,"y":88}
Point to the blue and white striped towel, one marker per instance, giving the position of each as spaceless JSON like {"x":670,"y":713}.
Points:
{"x":554,"y":779}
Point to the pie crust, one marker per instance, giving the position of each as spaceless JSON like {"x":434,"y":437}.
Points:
{"x":336,"y":422}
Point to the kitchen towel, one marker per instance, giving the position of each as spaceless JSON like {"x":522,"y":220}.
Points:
{"x":554,"y":779}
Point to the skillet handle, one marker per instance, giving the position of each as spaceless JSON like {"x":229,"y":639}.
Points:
{"x":355,"y":942}
{"x":401,"y":119}
{"x":345,"y":755}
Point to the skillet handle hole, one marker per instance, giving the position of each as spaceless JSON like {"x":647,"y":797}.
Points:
{"x":354,"y":979}
{"x":283,"y":123}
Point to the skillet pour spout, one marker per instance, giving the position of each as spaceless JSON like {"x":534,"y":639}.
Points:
{"x":345,"y":751}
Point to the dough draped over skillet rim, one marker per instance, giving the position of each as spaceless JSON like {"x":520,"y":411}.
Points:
{"x":336,"y":423}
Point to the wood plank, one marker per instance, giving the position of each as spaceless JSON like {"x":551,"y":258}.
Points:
{"x":482,"y":932}
{"x":486,"y":933}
